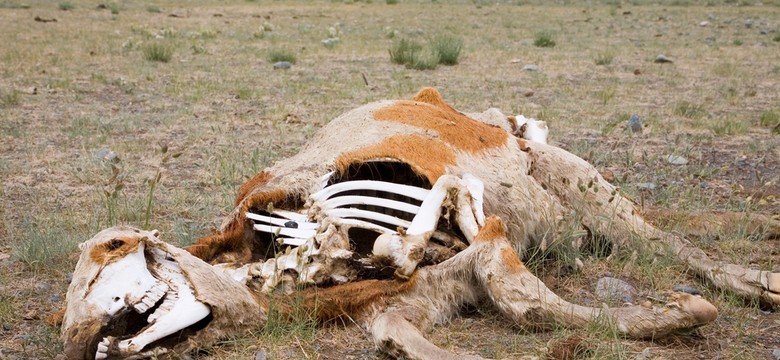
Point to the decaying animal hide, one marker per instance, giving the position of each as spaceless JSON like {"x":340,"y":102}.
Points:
{"x":384,"y":212}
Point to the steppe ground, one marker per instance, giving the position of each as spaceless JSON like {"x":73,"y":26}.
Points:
{"x":185,"y":133}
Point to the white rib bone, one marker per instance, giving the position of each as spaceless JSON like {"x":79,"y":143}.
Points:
{"x":291,"y":215}
{"x":293,"y":241}
{"x":405,"y":190}
{"x":363,"y":225}
{"x":365,"y":214}
{"x":299,"y":233}
{"x":367,"y":200}
{"x":281,"y":221}
{"x":185,"y":312}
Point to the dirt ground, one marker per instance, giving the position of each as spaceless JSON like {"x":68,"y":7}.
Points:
{"x":95,"y":132}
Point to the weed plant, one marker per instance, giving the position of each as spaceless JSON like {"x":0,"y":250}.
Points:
{"x":158,"y":52}
{"x":281,"y":54}
{"x":544,"y":39}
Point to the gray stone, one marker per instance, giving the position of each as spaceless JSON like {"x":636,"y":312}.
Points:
{"x":261,"y":355}
{"x":108,"y":155}
{"x":612,"y":289}
{"x":42,"y":286}
{"x":282,"y":65}
{"x":776,"y":354}
{"x":645,"y":186}
{"x":676,"y":160}
{"x":330,"y":42}
{"x":635,"y":123}
{"x":704,"y":23}
{"x":55,"y":298}
{"x":687,"y":289}
{"x":646,"y":354}
{"x":663,"y":59}
{"x":749,"y":23}
{"x":531,"y":67}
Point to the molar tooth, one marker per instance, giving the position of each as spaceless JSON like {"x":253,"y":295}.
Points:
{"x":140,"y":308}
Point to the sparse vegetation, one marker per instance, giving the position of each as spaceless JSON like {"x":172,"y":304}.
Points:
{"x":769,"y":118}
{"x":153,"y":9}
{"x":66,"y":5}
{"x":689,"y":110}
{"x":8,"y":98}
{"x":604,"y":58}
{"x":544,"y":39}
{"x":281,"y":54}
{"x":158,"y":52}
{"x":442,"y":49}
{"x":404,"y":51}
{"x":448,"y":49}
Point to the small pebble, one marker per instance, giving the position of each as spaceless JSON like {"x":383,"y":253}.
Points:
{"x":663,"y":59}
{"x":531,"y":67}
{"x":330,"y":42}
{"x":676,"y":160}
{"x":776,"y":354}
{"x":261,"y":355}
{"x":704,"y":23}
{"x":687,"y":289}
{"x":749,"y":23}
{"x":108,"y":155}
{"x":282,"y":65}
{"x":43,"y":286}
{"x":646,"y":186}
{"x":291,"y":224}
{"x":635,"y":124}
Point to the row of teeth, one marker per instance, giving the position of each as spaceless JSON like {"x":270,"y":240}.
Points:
{"x":168,"y":303}
{"x":151,"y":297}
{"x":102,"y":349}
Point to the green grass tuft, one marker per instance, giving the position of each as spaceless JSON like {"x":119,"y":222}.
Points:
{"x":66,"y":5}
{"x":281,"y":54}
{"x":448,"y":48}
{"x":689,"y":110}
{"x":9,"y":98}
{"x":153,"y":9}
{"x":544,"y":39}
{"x":604,"y":58}
{"x":158,"y":52}
{"x":404,"y":51}
{"x":769,"y":118}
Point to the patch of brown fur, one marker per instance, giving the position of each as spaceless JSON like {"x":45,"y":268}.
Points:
{"x":113,"y":249}
{"x":432,"y":96}
{"x":523,"y":144}
{"x":347,"y":300}
{"x":233,"y":245}
{"x":255,"y":182}
{"x":495,"y":230}
{"x":427,"y":157}
{"x":55,"y":319}
{"x":429,"y":111}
